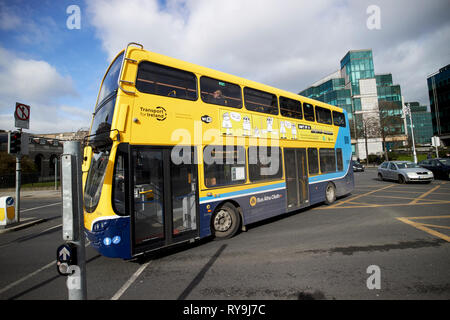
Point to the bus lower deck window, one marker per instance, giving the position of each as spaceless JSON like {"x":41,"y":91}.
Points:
{"x":224,"y":165}
{"x":264,"y":163}
{"x":313,"y":163}
{"x":327,"y":160}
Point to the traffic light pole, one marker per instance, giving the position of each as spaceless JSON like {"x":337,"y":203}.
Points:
{"x":18,"y":178}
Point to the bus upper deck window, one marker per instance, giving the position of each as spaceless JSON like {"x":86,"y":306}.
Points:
{"x":220,"y":92}
{"x":291,"y":108}
{"x":166,"y":81}
{"x":260,"y":101}
{"x":308,"y":111}
{"x":338,"y":119}
{"x":323,"y":115}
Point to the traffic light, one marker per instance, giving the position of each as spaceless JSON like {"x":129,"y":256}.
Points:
{"x":14,"y":142}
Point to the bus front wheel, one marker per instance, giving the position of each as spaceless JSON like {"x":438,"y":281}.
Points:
{"x":330,"y":193}
{"x":225,"y":221}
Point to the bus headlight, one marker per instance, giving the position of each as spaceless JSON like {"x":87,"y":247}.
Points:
{"x":100,"y":225}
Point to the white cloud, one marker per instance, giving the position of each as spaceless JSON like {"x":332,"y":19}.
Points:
{"x":40,"y":85}
{"x":288,"y":44}
{"x":31,"y":80}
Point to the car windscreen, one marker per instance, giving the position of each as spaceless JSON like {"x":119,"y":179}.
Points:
{"x":445,"y":161}
{"x":406,"y":165}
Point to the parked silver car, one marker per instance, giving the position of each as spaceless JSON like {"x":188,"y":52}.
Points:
{"x":404,"y":171}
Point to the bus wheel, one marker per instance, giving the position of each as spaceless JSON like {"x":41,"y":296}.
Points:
{"x":225,"y":222}
{"x":330,"y":193}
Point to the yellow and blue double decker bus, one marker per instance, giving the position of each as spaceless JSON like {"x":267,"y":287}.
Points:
{"x":178,"y":152}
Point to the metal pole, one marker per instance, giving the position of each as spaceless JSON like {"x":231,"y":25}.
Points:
{"x":412,"y":132}
{"x":18,"y":176}
{"x":73,"y":148}
{"x":436,"y":144}
{"x":18,"y":183}
{"x":56,"y":173}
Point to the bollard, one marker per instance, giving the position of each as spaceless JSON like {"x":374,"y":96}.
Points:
{"x":7,"y":211}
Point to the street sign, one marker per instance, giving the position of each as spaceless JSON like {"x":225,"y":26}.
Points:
{"x":66,"y":256}
{"x":435,"y":141}
{"x":64,"y":253}
{"x":22,"y":116}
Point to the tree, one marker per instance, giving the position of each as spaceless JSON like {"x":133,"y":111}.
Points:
{"x":391,"y":122}
{"x":367,"y":127}
{"x":8,"y":164}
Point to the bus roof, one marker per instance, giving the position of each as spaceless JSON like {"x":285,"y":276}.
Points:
{"x":180,"y":64}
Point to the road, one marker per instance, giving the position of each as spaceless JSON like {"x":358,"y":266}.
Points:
{"x":324,"y":252}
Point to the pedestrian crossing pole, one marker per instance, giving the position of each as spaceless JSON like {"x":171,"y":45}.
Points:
{"x":73,"y":221}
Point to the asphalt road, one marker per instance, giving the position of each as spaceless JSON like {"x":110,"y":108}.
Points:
{"x":324,"y":252}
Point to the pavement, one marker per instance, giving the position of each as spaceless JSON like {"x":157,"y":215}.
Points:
{"x":28,"y":194}
{"x":32,"y":193}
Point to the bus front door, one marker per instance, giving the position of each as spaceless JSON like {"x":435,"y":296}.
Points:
{"x":296,"y":178}
{"x":164,"y":202}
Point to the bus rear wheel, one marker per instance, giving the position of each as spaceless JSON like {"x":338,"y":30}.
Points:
{"x":330,"y":193}
{"x":225,"y":222}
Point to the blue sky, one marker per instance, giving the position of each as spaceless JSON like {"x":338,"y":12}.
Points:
{"x":38,"y":32}
{"x":288,"y":44}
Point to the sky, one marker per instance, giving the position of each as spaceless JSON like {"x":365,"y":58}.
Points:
{"x":55,"y":65}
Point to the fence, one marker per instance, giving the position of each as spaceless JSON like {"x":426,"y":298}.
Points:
{"x":9,"y":180}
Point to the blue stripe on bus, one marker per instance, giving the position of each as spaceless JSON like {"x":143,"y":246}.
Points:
{"x":346,"y":157}
{"x":244,"y":192}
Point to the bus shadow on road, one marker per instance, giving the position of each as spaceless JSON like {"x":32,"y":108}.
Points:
{"x":168,"y":251}
{"x":281,"y":217}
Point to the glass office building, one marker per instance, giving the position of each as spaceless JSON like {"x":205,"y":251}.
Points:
{"x":356,"y":88}
{"x":357,"y":65}
{"x":439,"y":94}
{"x":421,"y":122}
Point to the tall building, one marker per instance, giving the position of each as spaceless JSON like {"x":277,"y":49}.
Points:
{"x":439,"y":93}
{"x":356,"y":88}
{"x":421,"y":122}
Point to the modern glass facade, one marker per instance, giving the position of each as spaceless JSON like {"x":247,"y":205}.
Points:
{"x":387,"y":91}
{"x":346,"y":90}
{"x":439,"y":93}
{"x":333,"y":92}
{"x":357,"y":65}
{"x":421,"y":120}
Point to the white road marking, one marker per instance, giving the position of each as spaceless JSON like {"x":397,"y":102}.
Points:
{"x":130,"y":281}
{"x":27,"y":277}
{"x":48,"y":205}
{"x":53,"y":263}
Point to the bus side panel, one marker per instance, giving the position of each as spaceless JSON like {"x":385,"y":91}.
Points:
{"x":257,"y":205}
{"x":346,"y":185}
{"x":317,"y":192}
{"x":343,"y":185}
{"x":263,"y":205}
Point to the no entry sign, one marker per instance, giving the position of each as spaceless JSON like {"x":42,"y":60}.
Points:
{"x":22,"y":116}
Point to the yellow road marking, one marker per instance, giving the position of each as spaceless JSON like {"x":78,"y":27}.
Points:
{"x":434,"y":226}
{"x":429,"y":217}
{"x":393,"y":197}
{"x":423,"y":228}
{"x":359,"y":196}
{"x":382,"y":205}
{"x":361,"y":204}
{"x":424,"y":194}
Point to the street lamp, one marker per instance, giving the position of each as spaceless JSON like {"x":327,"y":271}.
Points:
{"x":408,"y":112}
